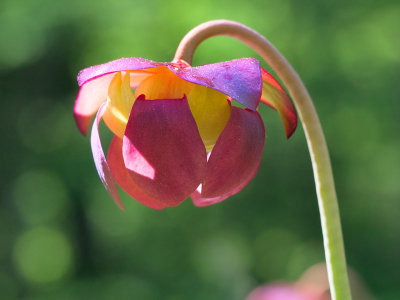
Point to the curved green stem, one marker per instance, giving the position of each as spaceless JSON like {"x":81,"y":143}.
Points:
{"x":327,"y":201}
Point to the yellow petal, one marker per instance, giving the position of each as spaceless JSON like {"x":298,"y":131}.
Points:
{"x":210,"y":108}
{"x":163,"y":85}
{"x":119,"y":104}
{"x":211,"y":111}
{"x":138,"y":76}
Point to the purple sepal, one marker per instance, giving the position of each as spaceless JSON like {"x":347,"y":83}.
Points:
{"x":239,"y":79}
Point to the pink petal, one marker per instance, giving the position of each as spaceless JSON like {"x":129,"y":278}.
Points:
{"x":164,"y":134}
{"x":239,"y":79}
{"x":91,"y":95}
{"x":121,"y":176}
{"x":100,"y":161}
{"x":277,"y":291}
{"x":275,"y":96}
{"x":122,"y":64}
{"x":235,"y":159}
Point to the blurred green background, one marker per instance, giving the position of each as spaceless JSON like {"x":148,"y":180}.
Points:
{"x":62,"y":237}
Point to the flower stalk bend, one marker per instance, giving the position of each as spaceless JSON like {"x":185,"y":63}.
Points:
{"x":327,"y":200}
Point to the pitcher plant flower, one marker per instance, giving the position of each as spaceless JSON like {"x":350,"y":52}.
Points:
{"x":178,"y":130}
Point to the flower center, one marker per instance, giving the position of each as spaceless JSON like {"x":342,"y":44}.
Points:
{"x":210,"y":108}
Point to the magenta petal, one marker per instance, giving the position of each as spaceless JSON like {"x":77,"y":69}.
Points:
{"x":239,"y":79}
{"x":122,"y":64}
{"x":162,"y":135}
{"x":100,"y":161}
{"x":121,"y":176}
{"x":236,"y":156}
{"x":198,"y":200}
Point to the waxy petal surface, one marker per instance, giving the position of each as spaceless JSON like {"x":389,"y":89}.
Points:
{"x":122,"y":64}
{"x":100,"y":161}
{"x":239,"y":79}
{"x":275,"y":96}
{"x":124,"y":180}
{"x":236,"y":156}
{"x":163,"y":135}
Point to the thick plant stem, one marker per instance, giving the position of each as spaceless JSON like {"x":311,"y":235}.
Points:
{"x":327,"y":201}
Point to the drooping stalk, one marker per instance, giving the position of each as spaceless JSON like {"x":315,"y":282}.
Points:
{"x":327,"y":201}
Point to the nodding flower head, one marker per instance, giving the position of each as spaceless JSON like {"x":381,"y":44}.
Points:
{"x":177,"y":132}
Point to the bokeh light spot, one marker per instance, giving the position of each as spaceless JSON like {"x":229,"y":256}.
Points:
{"x":39,"y":196}
{"x":42,"y":255}
{"x":108,"y":220}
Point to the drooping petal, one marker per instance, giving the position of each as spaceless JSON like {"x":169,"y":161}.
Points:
{"x":121,"y":176}
{"x":200,"y":201}
{"x":119,"y":104}
{"x":239,"y":79}
{"x":91,"y":95}
{"x":236,"y":156}
{"x":275,"y":96}
{"x":100,"y":161}
{"x":162,"y":136}
{"x":122,"y":64}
